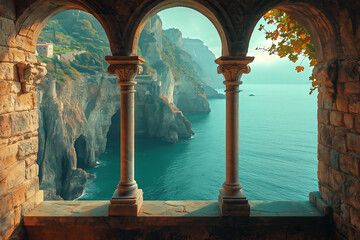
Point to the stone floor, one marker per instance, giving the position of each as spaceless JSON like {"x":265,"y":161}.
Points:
{"x":176,"y":220}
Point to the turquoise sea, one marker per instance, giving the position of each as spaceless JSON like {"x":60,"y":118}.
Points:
{"x":278,"y":145}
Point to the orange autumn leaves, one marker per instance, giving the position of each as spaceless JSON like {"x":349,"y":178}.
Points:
{"x":289,"y":39}
{"x":299,"y":68}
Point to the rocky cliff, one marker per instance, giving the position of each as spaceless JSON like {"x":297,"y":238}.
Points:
{"x":72,"y":132}
{"x":174,"y":66}
{"x":202,"y":62}
{"x":155,"y":118}
{"x":206,"y":60}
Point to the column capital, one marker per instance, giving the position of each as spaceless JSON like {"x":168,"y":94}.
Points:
{"x":233,"y":67}
{"x":126,"y":67}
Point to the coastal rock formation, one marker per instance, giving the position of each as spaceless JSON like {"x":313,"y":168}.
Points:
{"x":206,"y":60}
{"x":72,"y":132}
{"x":181,"y":83}
{"x":155,"y":116}
{"x":202,"y":59}
{"x":175,"y":36}
{"x":157,"y":119}
{"x":212,"y":93}
{"x":190,"y":97}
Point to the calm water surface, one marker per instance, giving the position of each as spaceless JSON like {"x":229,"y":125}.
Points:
{"x":278,"y":137}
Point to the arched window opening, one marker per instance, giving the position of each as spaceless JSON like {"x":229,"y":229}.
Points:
{"x":278,"y":120}
{"x":76,"y":100}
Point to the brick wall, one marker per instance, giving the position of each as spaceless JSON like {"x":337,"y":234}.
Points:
{"x":19,"y":183}
{"x":339,"y":143}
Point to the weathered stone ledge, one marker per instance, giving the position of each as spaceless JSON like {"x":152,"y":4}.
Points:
{"x":173,"y":219}
{"x":64,"y":209}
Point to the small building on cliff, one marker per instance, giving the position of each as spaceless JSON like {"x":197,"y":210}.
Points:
{"x":45,"y":49}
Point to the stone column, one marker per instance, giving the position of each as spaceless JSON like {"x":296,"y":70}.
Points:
{"x":232,"y":200}
{"x":127,"y":199}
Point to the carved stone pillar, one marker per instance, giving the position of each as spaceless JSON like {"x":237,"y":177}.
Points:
{"x":232,"y":200}
{"x":127,"y":199}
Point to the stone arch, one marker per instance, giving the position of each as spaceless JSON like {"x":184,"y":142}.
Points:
{"x":209,"y":13}
{"x":34,"y":18}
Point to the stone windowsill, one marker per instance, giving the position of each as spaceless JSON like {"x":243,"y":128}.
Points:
{"x":59,"y":220}
{"x":183,"y":209}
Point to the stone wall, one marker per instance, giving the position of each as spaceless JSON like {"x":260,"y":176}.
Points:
{"x":19,"y":183}
{"x":339,"y":143}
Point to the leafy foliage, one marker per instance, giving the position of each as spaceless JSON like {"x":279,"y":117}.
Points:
{"x":60,"y":70}
{"x":289,"y":39}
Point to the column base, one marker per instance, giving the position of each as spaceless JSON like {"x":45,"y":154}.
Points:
{"x":126,"y":205}
{"x":234,"y":205}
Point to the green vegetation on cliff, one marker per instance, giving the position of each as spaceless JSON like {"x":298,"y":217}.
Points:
{"x":75,"y":31}
{"x":174,"y":57}
{"x":179,"y":61}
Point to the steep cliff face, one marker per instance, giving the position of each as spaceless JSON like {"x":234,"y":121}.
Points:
{"x":151,"y":48}
{"x":175,"y":68}
{"x":170,"y":125}
{"x":190,"y":98}
{"x":73,"y":125}
{"x":155,"y":118}
{"x":175,"y":36}
{"x":205,"y":59}
{"x":189,"y":94}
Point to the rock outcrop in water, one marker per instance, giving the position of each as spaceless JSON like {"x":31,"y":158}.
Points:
{"x":155,"y":116}
{"x":212,"y":93}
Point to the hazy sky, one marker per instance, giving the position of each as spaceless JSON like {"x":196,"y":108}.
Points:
{"x":195,"y":25}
